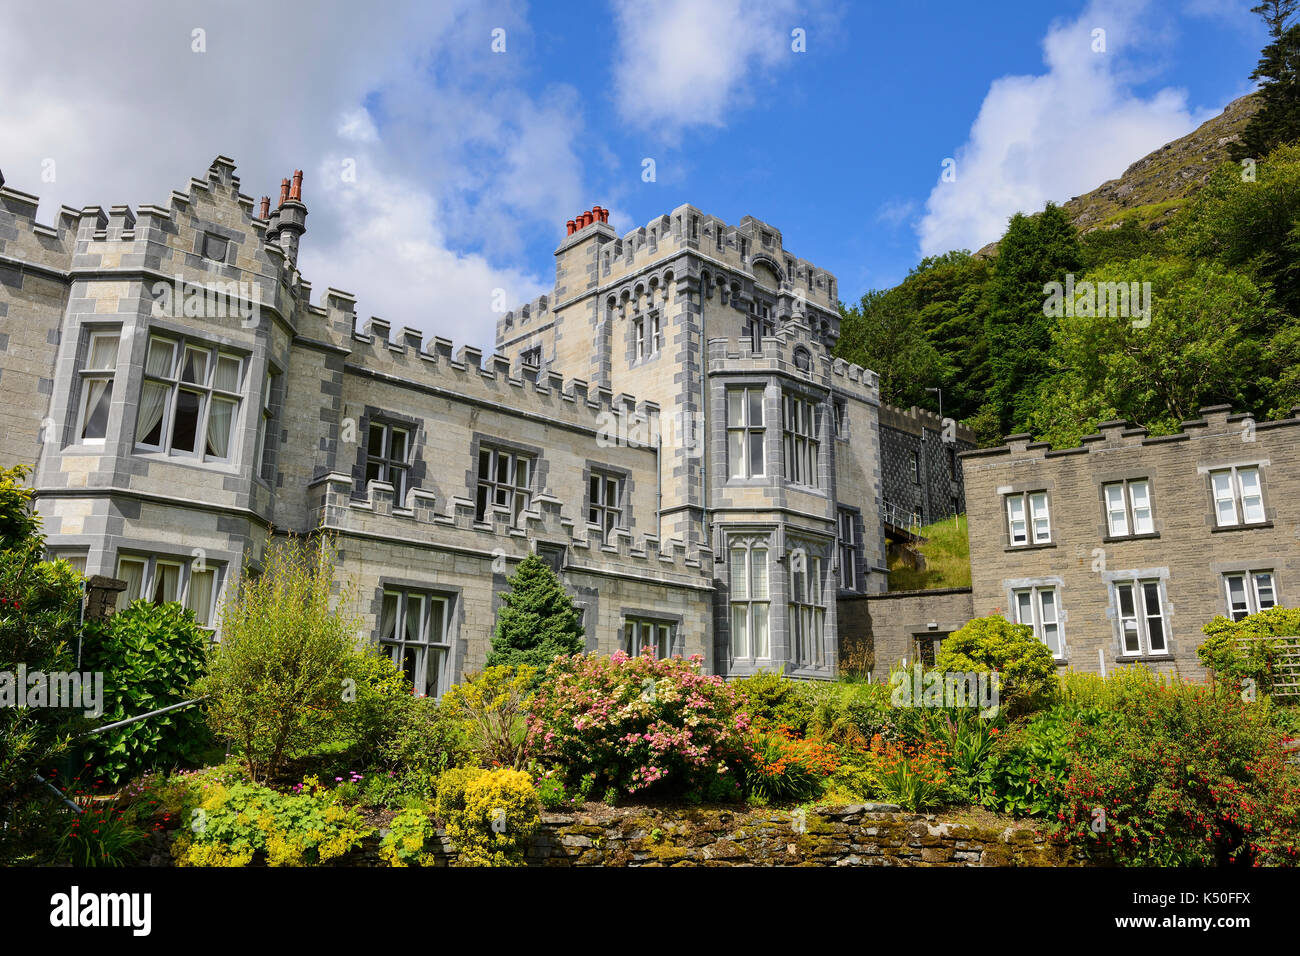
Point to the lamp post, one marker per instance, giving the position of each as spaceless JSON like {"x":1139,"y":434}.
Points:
{"x":939,"y":392}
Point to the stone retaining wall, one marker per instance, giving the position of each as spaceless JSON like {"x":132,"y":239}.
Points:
{"x":862,"y":835}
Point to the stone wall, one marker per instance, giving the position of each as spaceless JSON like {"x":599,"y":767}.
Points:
{"x":898,"y":621}
{"x":873,"y":834}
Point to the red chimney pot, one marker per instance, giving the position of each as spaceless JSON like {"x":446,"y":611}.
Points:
{"x":571,"y":226}
{"x":295,"y":192}
{"x":284,"y":192}
{"x":266,"y":207}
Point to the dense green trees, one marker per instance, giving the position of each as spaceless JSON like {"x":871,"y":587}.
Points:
{"x":1278,"y":118}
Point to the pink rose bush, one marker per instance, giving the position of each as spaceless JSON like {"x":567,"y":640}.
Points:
{"x":641,"y":725}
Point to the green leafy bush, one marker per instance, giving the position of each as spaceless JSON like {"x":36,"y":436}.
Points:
{"x":1025,"y":665}
{"x":1025,"y":771}
{"x":39,"y":615}
{"x":773,"y":700}
{"x":238,"y":823}
{"x":408,"y":840}
{"x":150,"y":655}
{"x":1233,"y":658}
{"x":277,"y":681}
{"x":490,"y":815}
{"x":538,"y":621}
{"x":428,"y":738}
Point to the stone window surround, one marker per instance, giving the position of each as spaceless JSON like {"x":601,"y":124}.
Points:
{"x":770,"y":537}
{"x":537,"y":479}
{"x":267,"y":453}
{"x":750,"y":382}
{"x":627,"y":521}
{"x":417,"y":471}
{"x":818,"y":408}
{"x":1263,"y":464}
{"x":1110,"y":579}
{"x":659,"y":616}
{"x":1057,"y":584}
{"x":219,"y":561}
{"x":87,"y":333}
{"x":817,"y":396}
{"x":456,"y":643}
{"x":1147,"y":473}
{"x":859,"y":561}
{"x":1027,"y":488}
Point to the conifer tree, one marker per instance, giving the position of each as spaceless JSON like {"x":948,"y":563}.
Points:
{"x":1278,"y":118}
{"x":538,"y":621}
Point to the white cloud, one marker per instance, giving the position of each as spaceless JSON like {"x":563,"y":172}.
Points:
{"x":894,"y":212}
{"x":452,"y":151}
{"x":683,"y":63}
{"x":1058,"y":134}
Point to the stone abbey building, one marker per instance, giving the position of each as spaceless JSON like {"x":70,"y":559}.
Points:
{"x":667,"y":428}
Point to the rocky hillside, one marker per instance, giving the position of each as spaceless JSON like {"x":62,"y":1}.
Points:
{"x":1154,"y":187}
{"x":1158,"y":183}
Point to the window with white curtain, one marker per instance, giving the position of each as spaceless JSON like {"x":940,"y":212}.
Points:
{"x":505,"y":479}
{"x":745,"y":432}
{"x":265,"y":426}
{"x":1238,"y":496}
{"x":799,"y":428}
{"x":807,"y":608}
{"x":97,"y":376}
{"x":605,"y":502}
{"x":750,"y":638}
{"x":1249,"y":592}
{"x":162,"y":579}
{"x":189,"y":402}
{"x":414,"y":632}
{"x":1128,"y":508}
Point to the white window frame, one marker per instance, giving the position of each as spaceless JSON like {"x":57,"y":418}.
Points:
{"x":750,"y":598}
{"x":640,"y":632}
{"x":186,"y":590}
{"x":744,"y":434}
{"x":395,"y":470}
{"x":1256,"y":588}
{"x":1136,"y":622}
{"x":425,"y":646}
{"x":1126,"y":518}
{"x":806,"y":602}
{"x":518,"y":495}
{"x":90,"y":374}
{"x":172,"y":380}
{"x":1035,"y":522}
{"x":1228,"y":487}
{"x":800,"y":421}
{"x":1043,"y":604}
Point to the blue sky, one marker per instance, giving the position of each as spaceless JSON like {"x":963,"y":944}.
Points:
{"x":468,"y":161}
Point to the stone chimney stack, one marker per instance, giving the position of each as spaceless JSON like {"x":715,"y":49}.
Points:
{"x":290,"y":217}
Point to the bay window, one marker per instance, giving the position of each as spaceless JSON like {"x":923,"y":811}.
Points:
{"x":745,"y":432}
{"x":750,"y":639}
{"x":189,"y":402}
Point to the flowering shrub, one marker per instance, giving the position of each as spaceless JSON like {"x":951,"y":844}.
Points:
{"x":1185,"y":775}
{"x":784,"y":767}
{"x":1025,"y":770}
{"x":1028,"y":672}
{"x":1233,"y":657}
{"x":641,"y":724}
{"x":913,"y":776}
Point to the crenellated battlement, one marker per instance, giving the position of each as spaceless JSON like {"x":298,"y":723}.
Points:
{"x":337,"y":507}
{"x":1214,"y":421}
{"x":779,"y":352}
{"x":406,"y":356}
{"x":916,"y":420}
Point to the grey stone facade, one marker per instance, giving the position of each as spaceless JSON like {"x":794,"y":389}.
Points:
{"x":1145,"y":539}
{"x":184,"y":401}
